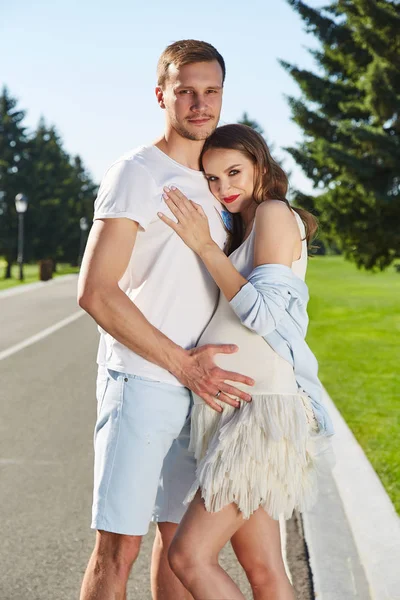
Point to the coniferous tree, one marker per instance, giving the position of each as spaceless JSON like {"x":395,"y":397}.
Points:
{"x":14,"y":160}
{"x":82,"y":195}
{"x":59,"y":189}
{"x":245,"y":120}
{"x":62,"y":192}
{"x":350,"y":116}
{"x":50,"y":176}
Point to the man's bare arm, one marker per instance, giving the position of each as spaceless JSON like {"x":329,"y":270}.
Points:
{"x":106,"y":258}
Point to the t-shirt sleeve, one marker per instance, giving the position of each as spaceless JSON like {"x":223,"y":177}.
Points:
{"x":127,"y":190}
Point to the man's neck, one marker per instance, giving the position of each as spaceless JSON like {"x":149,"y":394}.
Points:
{"x":185,"y":152}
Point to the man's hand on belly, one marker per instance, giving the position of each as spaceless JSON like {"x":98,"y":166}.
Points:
{"x":200,"y":374}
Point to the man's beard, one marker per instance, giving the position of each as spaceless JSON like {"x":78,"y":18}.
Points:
{"x":196,"y":136}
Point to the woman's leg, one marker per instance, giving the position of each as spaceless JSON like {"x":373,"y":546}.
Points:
{"x":257,"y":545}
{"x":194,"y":551}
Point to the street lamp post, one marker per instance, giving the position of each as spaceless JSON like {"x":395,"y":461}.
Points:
{"x":2,"y":203}
{"x":21,"y":205}
{"x":83,"y":224}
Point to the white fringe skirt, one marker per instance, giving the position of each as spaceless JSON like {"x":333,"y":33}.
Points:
{"x":265,"y":454}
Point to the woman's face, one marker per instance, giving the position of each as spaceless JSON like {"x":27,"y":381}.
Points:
{"x":230,"y":175}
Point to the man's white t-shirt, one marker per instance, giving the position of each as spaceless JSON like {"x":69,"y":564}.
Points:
{"x":165,"y":279}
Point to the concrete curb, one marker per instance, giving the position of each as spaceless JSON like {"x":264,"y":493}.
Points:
{"x":336,"y":569}
{"x":353,"y":534}
{"x":371,"y":514}
{"x":28,"y":287}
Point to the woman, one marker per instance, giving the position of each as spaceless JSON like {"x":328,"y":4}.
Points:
{"x":260,"y":460}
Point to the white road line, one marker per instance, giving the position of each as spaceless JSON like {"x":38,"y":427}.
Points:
{"x":39,"y":336}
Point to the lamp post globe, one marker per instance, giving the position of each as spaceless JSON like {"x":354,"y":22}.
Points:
{"x":21,"y":205}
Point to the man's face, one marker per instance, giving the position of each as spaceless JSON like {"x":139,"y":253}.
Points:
{"x":192,"y":98}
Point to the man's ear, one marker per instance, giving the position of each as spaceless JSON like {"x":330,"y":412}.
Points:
{"x":160,"y":96}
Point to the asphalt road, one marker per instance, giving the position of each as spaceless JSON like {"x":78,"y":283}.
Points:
{"x":47,"y":407}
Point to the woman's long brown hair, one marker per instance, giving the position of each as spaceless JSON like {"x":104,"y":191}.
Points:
{"x":270,"y":183}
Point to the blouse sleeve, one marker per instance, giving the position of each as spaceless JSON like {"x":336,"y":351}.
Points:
{"x":262,"y":303}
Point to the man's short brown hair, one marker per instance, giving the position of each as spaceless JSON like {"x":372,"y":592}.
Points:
{"x":186,"y":52}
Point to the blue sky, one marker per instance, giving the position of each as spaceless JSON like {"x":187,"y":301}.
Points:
{"x":89,"y":67}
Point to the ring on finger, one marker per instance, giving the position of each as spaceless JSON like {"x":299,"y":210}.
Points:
{"x":217,"y":395}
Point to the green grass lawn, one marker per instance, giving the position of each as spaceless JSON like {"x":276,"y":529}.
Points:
{"x":31,"y":274}
{"x":355,"y":333}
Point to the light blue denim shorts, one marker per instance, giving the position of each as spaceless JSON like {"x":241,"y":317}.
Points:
{"x":143,"y":469}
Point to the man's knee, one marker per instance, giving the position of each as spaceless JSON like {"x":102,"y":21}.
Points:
{"x":116,"y":551}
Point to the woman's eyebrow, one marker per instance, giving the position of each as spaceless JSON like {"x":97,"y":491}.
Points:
{"x":233,"y":167}
{"x":225,"y":171}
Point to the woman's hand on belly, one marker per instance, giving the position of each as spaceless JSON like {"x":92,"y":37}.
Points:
{"x":200,"y":374}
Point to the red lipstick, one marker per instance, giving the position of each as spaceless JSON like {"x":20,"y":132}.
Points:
{"x":230,"y":199}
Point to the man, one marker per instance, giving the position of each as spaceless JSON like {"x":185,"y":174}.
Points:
{"x":152,"y":298}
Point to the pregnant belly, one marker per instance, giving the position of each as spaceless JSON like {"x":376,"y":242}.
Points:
{"x":255,"y":357}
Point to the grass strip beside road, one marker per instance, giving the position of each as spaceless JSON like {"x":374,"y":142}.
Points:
{"x":355,"y":331}
{"x":31,"y":274}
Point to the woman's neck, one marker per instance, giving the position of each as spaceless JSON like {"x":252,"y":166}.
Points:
{"x":248,"y":215}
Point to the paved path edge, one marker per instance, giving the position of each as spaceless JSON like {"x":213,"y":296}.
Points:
{"x":27,"y":287}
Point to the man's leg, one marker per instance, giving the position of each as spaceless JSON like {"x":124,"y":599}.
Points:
{"x":177,"y":476}
{"x":109,"y":566}
{"x":138,"y":421}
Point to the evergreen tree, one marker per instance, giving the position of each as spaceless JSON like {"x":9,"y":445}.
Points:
{"x":245,"y":120}
{"x":50,"y":176}
{"x":59,"y":189}
{"x":82,"y":195}
{"x":349,"y":113}
{"x":62,"y":192}
{"x":14,"y":160}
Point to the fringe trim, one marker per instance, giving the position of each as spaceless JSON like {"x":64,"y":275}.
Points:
{"x":267,"y":453}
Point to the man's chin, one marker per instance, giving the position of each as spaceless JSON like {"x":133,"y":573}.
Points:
{"x":197,"y":134}
{"x":201,"y":135}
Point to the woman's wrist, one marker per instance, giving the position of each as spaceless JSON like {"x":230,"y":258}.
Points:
{"x":208,"y":249}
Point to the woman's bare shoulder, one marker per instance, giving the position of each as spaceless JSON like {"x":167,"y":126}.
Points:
{"x":271,"y":212}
